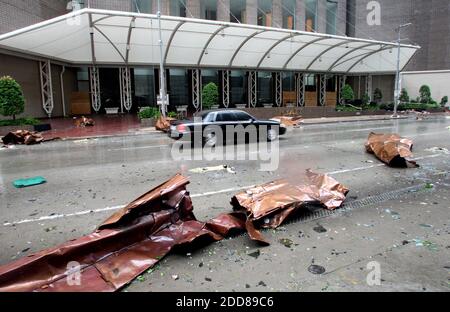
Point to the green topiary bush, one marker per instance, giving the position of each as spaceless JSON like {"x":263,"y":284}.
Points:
{"x":444,"y":101}
{"x":12,"y":101}
{"x":404,"y":96}
{"x":347,"y":93}
{"x":377,"y":95}
{"x":150,"y":112}
{"x":210,"y":95}
{"x":425,"y":94}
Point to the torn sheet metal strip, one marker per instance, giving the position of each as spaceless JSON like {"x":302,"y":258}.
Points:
{"x":23,"y":137}
{"x":124,"y":246}
{"x":269,"y":205}
{"x":391,"y":149}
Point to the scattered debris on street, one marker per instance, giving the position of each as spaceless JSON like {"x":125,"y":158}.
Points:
{"x":391,"y":149}
{"x":268,"y":205}
{"x":23,"y":137}
{"x":163,"y":124}
{"x":289,"y":121}
{"x":212,"y":169}
{"x":137,"y":237}
{"x":21,"y":183}
{"x":83,"y":122}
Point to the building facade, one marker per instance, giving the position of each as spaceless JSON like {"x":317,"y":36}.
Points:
{"x":336,"y":17}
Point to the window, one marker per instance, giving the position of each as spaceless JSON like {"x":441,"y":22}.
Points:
{"x":178,"y":86}
{"x":331,"y":84}
{"x":238,"y":11}
{"x":265,"y":88}
{"x":265,"y":13}
{"x":225,"y":116}
{"x":83,"y":79}
{"x":288,"y":14}
{"x":310,"y":82}
{"x":288,"y":81}
{"x":178,"y":8}
{"x":311,"y":15}
{"x":238,"y":87}
{"x":331,"y":16}
{"x":208,"y":9}
{"x":142,"y":6}
{"x":144,"y":87}
{"x":241,"y":116}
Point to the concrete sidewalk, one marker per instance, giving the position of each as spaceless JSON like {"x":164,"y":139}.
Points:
{"x":327,"y":120}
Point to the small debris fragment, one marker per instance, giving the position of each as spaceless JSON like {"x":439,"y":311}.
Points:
{"x":255,"y":254}
{"x":21,"y":183}
{"x":208,"y":279}
{"x":319,"y":228}
{"x":261,"y":283}
{"x":316,"y":269}
{"x":175,"y":277}
{"x":286,"y":242}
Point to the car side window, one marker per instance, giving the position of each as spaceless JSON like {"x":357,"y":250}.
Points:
{"x":241,"y":116}
{"x":225,"y":116}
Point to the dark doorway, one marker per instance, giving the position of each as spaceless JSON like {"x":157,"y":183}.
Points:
{"x":109,"y":88}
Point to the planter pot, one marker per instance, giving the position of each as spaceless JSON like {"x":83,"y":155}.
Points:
{"x":43,"y":127}
{"x":112,"y":110}
{"x":268,"y":105}
{"x":148,"y":122}
{"x":241,"y":106}
{"x":215,"y":107}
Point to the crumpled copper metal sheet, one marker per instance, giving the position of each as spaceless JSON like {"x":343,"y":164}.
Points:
{"x":391,"y":149}
{"x":23,"y":137}
{"x":289,"y":121}
{"x":123,"y":247}
{"x":135,"y":238}
{"x":84,"y":122}
{"x":163,"y":124}
{"x":268,"y":205}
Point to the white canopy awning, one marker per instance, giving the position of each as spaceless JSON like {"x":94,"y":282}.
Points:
{"x":102,"y":37}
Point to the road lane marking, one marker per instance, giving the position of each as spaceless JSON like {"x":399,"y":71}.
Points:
{"x":229,"y":190}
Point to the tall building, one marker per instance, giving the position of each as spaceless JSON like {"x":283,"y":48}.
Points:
{"x":335,"y":17}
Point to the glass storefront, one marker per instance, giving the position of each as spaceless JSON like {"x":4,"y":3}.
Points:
{"x":265,"y":88}
{"x":311,"y":15}
{"x":265,"y":13}
{"x":289,"y":14}
{"x":144,"y":87}
{"x":178,"y":87}
{"x":238,"y":87}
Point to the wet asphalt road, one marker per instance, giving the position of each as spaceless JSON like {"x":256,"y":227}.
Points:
{"x":90,"y":179}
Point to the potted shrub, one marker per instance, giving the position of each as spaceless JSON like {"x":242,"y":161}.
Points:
{"x":12,"y":101}
{"x":377,"y":95}
{"x":148,"y":116}
{"x":404,"y":96}
{"x":444,"y":101}
{"x":425,"y":94}
{"x":210,"y":96}
{"x":347,"y":93}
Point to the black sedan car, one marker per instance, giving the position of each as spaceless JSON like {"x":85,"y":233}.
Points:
{"x":228,"y":125}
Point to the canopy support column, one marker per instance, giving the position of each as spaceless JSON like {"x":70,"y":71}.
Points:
{"x":342,"y":80}
{"x":278,"y":89}
{"x":125,"y":89}
{"x":369,"y":87}
{"x":226,"y":88}
{"x":323,"y":89}
{"x":252,"y":88}
{"x":94,"y":75}
{"x":300,"y":89}
{"x":46,"y":87}
{"x":196,"y":89}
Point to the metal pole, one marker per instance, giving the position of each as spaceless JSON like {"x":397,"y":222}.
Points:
{"x":162,"y":84}
{"x":397,"y":74}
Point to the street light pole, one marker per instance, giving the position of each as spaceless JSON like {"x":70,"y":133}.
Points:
{"x":397,"y":74}
{"x":162,"y":83}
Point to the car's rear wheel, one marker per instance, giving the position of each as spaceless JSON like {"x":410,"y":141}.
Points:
{"x":272,"y":135}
